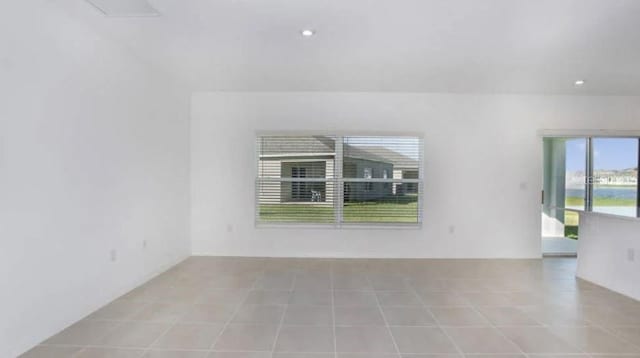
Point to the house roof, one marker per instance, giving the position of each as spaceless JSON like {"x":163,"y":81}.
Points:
{"x":380,"y":154}
{"x":292,"y":146}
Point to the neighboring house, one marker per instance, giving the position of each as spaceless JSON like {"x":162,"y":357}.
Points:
{"x":314,"y":157}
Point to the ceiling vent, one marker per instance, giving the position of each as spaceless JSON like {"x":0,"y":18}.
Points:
{"x":124,"y":8}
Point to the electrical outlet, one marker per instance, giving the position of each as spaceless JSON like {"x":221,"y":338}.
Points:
{"x":114,"y":255}
{"x":631,"y":255}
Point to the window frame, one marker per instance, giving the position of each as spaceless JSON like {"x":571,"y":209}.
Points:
{"x":339,"y":182}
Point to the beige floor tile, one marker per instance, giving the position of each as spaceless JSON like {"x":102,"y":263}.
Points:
{"x":366,"y":355}
{"x":110,"y":353}
{"x":427,"y":284}
{"x":560,"y":356}
{"x":83,"y":333}
{"x":181,"y":294}
{"x":312,"y":297}
{"x":629,"y":333}
{"x":436,"y":299}
{"x":259,"y":314}
{"x":366,"y":339}
{"x":208,"y":313}
{"x":421,"y":340}
{"x":161,"y":312}
{"x":594,"y":340}
{"x":484,"y":340}
{"x":117,"y":310}
{"x":51,"y":352}
{"x":396,"y":298}
{"x":609,"y":316}
{"x":175,"y":354}
{"x":239,"y":355}
{"x":486,"y":298}
{"x":189,"y":336}
{"x":525,"y":298}
{"x":309,"y":315}
{"x":268,"y":297}
{"x":444,"y":356}
{"x":222,"y":296}
{"x":303,"y":355}
{"x":538,"y":340}
{"x":408,"y":316}
{"x":312,"y":281}
{"x":389,"y":283}
{"x":554,"y":315}
{"x":507,"y":316}
{"x":134,"y":334}
{"x":247,"y":337}
{"x":458,"y":316}
{"x":305,"y":339}
{"x":276,"y":281}
{"x":354,"y":298}
{"x":351,"y":282}
{"x":348,"y":316}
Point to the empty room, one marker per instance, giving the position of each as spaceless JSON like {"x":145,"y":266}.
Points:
{"x":319,"y":178}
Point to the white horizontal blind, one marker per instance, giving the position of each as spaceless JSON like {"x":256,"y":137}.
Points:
{"x":381,"y":178}
{"x":336,"y":180}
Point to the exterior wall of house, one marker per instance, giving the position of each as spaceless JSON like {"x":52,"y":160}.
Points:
{"x":410,"y":188}
{"x":406,"y":188}
{"x":281,"y":192}
{"x":354,"y":168}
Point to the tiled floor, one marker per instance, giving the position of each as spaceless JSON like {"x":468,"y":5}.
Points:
{"x":312,"y":308}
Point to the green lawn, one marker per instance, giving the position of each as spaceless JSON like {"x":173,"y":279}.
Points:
{"x":400,"y":209}
{"x":573,"y":201}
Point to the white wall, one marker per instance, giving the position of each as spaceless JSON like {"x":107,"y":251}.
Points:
{"x":93,"y":158}
{"x":603,"y":252}
{"x":483,"y":168}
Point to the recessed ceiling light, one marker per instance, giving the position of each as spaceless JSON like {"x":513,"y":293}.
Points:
{"x":579,"y":83}
{"x":307,"y":33}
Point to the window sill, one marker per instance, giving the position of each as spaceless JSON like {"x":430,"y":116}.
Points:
{"x":332,"y":226}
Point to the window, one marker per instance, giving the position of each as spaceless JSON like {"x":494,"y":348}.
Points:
{"x":597,"y":174}
{"x":339,"y":180}
{"x":368,"y":174}
{"x":385,"y":175}
{"x":298,"y":189}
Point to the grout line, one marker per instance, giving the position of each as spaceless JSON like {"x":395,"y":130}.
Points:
{"x":384,"y":317}
{"x":119,"y":323}
{"x":475,"y":309}
{"x":235,"y":312}
{"x":171,"y":326}
{"x":284,"y":314}
{"x":439,"y":325}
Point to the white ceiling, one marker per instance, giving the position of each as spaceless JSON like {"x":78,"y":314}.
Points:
{"x":480,"y":46}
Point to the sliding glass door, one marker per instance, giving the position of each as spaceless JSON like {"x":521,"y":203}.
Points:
{"x":598,"y":174}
